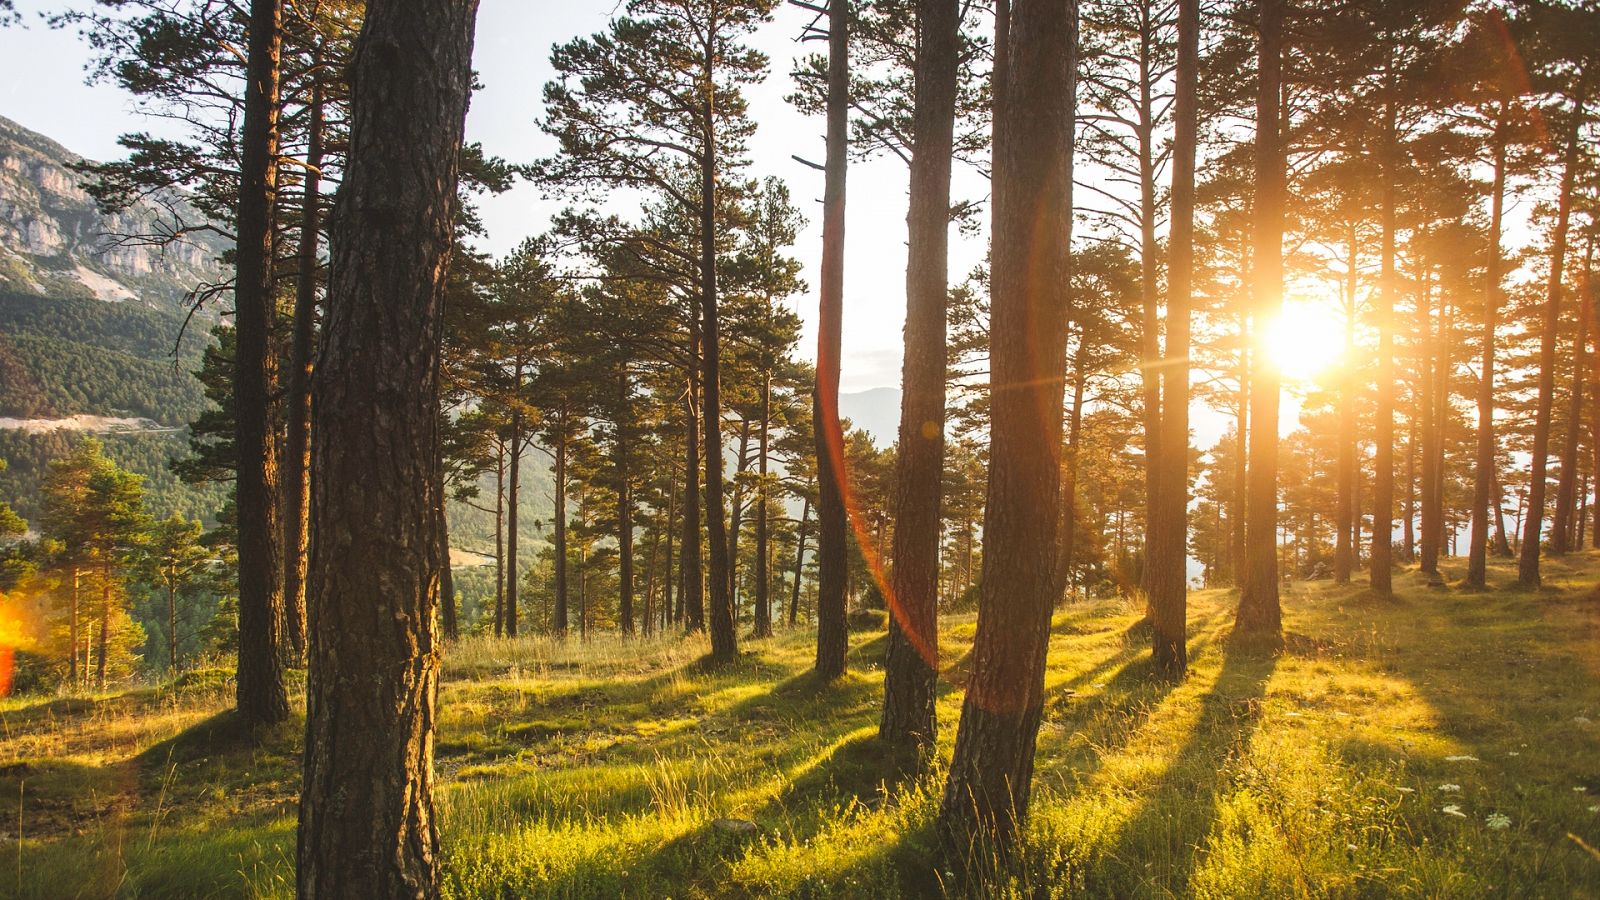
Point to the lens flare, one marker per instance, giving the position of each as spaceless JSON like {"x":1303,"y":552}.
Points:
{"x":1305,"y":340}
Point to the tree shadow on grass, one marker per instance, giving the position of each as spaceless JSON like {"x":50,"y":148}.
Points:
{"x":1177,"y":813}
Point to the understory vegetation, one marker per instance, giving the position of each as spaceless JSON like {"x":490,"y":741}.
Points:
{"x":1437,"y":744}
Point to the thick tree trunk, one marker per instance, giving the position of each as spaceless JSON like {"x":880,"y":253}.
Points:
{"x":724,"y":637}
{"x":1168,"y":558}
{"x":763,"y":597}
{"x":1533,"y":525}
{"x":513,"y":513}
{"x":800,"y":562}
{"x":260,"y":690}
{"x":1381,"y":572}
{"x":367,"y":826}
{"x":1484,"y":475}
{"x":985,"y":800}
{"x":297,"y":443}
{"x":833,"y":634}
{"x":911,"y":662}
{"x":1259,"y":611}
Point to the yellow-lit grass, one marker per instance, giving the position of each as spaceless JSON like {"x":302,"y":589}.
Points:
{"x":600,"y":768}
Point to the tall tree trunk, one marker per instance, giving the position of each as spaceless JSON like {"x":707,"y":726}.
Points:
{"x":1434,"y":372}
{"x":1533,"y":525}
{"x":833,"y":564}
{"x":297,"y":443}
{"x":103,"y":646}
{"x":1168,"y":558}
{"x":694,"y":596}
{"x":985,"y":800}
{"x":513,"y":514}
{"x":671,"y":596}
{"x":800,"y":562}
{"x":1484,"y":475}
{"x":1066,"y":539}
{"x":1382,"y":563}
{"x":1562,"y":538}
{"x":1344,"y":551}
{"x":739,"y":505}
{"x":1151,"y":365}
{"x":911,"y":662}
{"x":1241,"y":455}
{"x":260,"y":691}
{"x":72,"y":628}
{"x":624,"y":523}
{"x":172,"y":625}
{"x":560,"y":624}
{"x":763,"y":596}
{"x":1259,"y":611}
{"x":447,"y":580}
{"x":724,"y":636}
{"x":367,"y":826}
{"x":499,"y":541}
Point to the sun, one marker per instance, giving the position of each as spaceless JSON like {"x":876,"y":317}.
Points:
{"x":1305,"y":339}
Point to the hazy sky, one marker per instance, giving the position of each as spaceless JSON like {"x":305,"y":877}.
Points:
{"x":42,"y":88}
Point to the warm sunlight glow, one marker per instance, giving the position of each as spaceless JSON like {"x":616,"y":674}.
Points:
{"x":1305,"y":340}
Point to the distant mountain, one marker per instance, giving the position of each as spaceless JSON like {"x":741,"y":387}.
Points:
{"x":55,"y":243}
{"x":877,"y":411}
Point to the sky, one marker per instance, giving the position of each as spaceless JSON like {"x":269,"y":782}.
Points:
{"x":42,"y":87}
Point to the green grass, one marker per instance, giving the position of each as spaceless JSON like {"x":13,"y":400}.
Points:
{"x":602,"y":769}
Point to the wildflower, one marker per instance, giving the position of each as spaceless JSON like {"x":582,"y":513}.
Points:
{"x":1595,"y":809}
{"x":1580,"y":789}
{"x":1499,"y":821}
{"x":1406,"y":790}
{"x":1098,"y":684}
{"x":1461,"y":758}
{"x":1351,"y":847}
{"x":1453,"y":810}
{"x":1513,"y":753}
{"x":1450,"y":788}
{"x":1582,"y":720}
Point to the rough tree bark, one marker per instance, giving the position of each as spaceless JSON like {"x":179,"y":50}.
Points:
{"x":693,"y":594}
{"x":986,"y":797}
{"x":833,"y":632}
{"x":911,"y":663}
{"x":367,"y":826}
{"x":297,"y":441}
{"x":260,"y":689}
{"x":1168,"y":557}
{"x":1260,"y":614}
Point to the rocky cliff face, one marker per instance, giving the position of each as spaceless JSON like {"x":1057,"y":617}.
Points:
{"x":54,"y":242}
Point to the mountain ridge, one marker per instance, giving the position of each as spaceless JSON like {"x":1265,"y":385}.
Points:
{"x":54,"y":241}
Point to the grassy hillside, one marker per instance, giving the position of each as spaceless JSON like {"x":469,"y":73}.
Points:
{"x":1440,"y":745}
